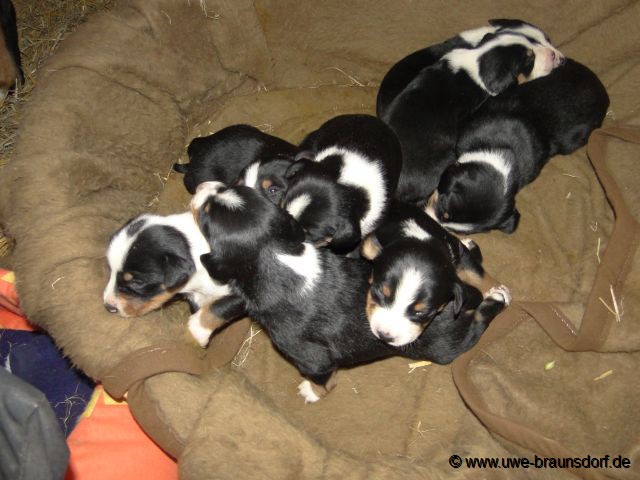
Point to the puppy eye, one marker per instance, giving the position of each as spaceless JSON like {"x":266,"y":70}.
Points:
{"x":419,"y":307}
{"x":386,"y":291}
{"x":273,"y":189}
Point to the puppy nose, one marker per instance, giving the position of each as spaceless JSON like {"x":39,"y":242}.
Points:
{"x":384,"y":336}
{"x":110,"y":308}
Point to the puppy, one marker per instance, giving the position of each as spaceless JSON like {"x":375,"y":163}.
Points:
{"x":426,"y":286}
{"x":340,"y":190}
{"x":154,"y":258}
{"x":403,"y":72}
{"x":427,"y":113}
{"x":259,"y":159}
{"x":10,"y":61}
{"x":507,"y":142}
{"x":311,"y":302}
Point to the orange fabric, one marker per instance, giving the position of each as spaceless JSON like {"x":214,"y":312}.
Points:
{"x":108,"y":444}
{"x":11,"y":316}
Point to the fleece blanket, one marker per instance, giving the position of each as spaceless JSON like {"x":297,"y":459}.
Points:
{"x":555,"y":376}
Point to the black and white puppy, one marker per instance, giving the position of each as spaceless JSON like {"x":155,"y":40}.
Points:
{"x":427,"y":114}
{"x":427,"y":284}
{"x":404,"y":71}
{"x":311,"y":302}
{"x":239,"y":153}
{"x":153,"y":258}
{"x":342,"y":188}
{"x":10,"y":61}
{"x":506,"y":143}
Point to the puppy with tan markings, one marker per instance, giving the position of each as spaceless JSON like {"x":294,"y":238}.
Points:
{"x":426,"y":287}
{"x":242,"y":154}
{"x":310,"y":301}
{"x":507,"y":142}
{"x":404,"y":71}
{"x":153,"y":259}
{"x":427,"y":114}
{"x":342,"y":183}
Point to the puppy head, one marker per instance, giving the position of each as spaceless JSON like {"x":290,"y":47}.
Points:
{"x":149,"y":263}
{"x":472,"y":197}
{"x":238,"y":222}
{"x":411,"y":283}
{"x":268,"y":177}
{"x":321,"y":207}
{"x":526,"y":29}
{"x":504,"y":59}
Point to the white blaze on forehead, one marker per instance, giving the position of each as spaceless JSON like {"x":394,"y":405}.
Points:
{"x":492,"y":158}
{"x":307,"y":265}
{"x":467,"y":59}
{"x":392,"y":320}
{"x":251,"y":175}
{"x":474,"y":36}
{"x":203,"y":192}
{"x":410,"y":228}
{"x":116,"y":255}
{"x":296,"y":206}
{"x":365,"y":173}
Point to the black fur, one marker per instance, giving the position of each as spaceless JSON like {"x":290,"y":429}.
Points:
{"x":526,"y":125}
{"x":319,"y":329}
{"x":450,"y":313}
{"x":336,"y":210}
{"x":224,"y":155}
{"x":426,"y":115}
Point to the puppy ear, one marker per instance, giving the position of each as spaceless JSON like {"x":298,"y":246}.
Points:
{"x":371,"y":247}
{"x":347,"y":235}
{"x":177,"y":271}
{"x":497,"y":75}
{"x":216,"y":267}
{"x":459,"y":297}
{"x":505,"y":23}
{"x":296,"y":167}
{"x":294,"y":231}
{"x":511,"y":223}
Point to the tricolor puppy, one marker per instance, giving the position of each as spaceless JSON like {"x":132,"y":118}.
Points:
{"x":403,"y":72}
{"x":153,"y":258}
{"x":427,"y":114}
{"x":341,"y":188}
{"x":311,"y":302}
{"x":239,"y":153}
{"x":426,"y":287}
{"x":10,"y":62}
{"x":507,"y":142}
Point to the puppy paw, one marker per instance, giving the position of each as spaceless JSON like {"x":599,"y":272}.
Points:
{"x":305,"y":390}
{"x":469,"y":243}
{"x":500,"y":294}
{"x":200,"y":333}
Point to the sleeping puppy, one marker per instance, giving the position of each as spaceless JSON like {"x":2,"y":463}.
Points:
{"x":403,"y":72}
{"x":507,"y":142}
{"x":10,"y":62}
{"x":239,"y":152}
{"x":426,"y":284}
{"x":341,"y":187}
{"x":154,"y":258}
{"x":311,"y":302}
{"x":427,"y":113}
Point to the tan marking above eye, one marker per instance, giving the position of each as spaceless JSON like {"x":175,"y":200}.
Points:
{"x":420,"y":307}
{"x":386,"y":291}
{"x":445,"y":215}
{"x":266,"y":183}
{"x":206,"y":208}
{"x":127,"y":276}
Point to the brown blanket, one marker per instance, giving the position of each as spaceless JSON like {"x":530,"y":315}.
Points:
{"x":116,"y":107}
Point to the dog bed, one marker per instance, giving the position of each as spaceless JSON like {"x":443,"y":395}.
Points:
{"x":554,"y":376}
